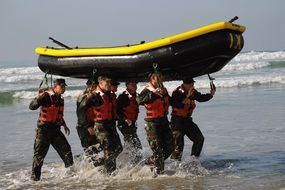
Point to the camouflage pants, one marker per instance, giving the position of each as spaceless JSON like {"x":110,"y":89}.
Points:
{"x":46,"y":136}
{"x":132,"y":141}
{"x":87,"y":141}
{"x":109,"y":140}
{"x":181,"y":127}
{"x":160,"y":140}
{"x":130,"y":135}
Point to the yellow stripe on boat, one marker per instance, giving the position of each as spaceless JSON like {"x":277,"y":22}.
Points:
{"x":133,"y":49}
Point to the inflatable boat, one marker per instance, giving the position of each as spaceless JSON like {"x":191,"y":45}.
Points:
{"x":193,"y":53}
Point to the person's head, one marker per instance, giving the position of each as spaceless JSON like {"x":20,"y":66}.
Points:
{"x":114,"y":85}
{"x":188,"y":83}
{"x":104,"y":83}
{"x":131,"y":86}
{"x":59,"y":86}
{"x":91,"y":85}
{"x":91,"y":88}
{"x":156,"y":78}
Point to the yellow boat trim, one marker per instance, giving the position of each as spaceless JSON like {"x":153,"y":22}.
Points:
{"x":129,"y":50}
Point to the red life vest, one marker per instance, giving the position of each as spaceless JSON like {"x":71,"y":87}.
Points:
{"x":159,"y":107}
{"x":186,"y":110}
{"x":132,"y":110}
{"x":105,"y":111}
{"x":52,"y":113}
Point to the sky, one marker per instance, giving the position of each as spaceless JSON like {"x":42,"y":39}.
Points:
{"x":27,"y":24}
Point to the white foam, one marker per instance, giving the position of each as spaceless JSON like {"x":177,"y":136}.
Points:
{"x":259,"y":56}
{"x":20,"y":74}
{"x":25,"y":94}
{"x":245,"y":69}
{"x":83,"y":174}
{"x":241,"y":81}
{"x":20,"y":70}
{"x":233,"y":66}
{"x":20,"y":78}
{"x":201,"y":83}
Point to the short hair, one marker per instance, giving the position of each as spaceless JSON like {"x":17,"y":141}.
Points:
{"x":188,"y":80}
{"x":131,"y":81}
{"x":155,"y":74}
{"x":104,"y":78}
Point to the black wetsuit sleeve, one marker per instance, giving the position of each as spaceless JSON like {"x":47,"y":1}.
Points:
{"x":95,"y":100}
{"x":145,"y":97}
{"x":177,"y":99}
{"x":122,"y":102}
{"x":42,"y":100}
{"x":202,"y":97}
{"x":84,"y":102}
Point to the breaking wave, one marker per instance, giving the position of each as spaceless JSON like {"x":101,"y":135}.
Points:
{"x":246,"y":69}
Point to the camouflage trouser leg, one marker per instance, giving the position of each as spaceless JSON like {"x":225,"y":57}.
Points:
{"x":195,"y":135}
{"x":130,"y":136}
{"x":178,"y":141}
{"x":161,"y":145}
{"x":181,"y":127}
{"x":87,"y":141}
{"x":116,"y":141}
{"x":110,"y":142}
{"x":132,"y":142}
{"x":41,"y":146}
{"x":63,"y":148}
{"x":167,"y":140}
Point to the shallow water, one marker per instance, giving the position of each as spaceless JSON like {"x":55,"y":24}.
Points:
{"x":243,"y":127}
{"x":244,"y":148}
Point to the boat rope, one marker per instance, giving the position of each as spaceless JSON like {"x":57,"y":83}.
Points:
{"x":93,"y":78}
{"x":44,"y":81}
{"x":50,"y":79}
{"x":212,"y":82}
{"x":155,"y":66}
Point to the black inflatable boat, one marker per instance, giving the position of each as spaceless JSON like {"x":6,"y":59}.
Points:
{"x":193,"y":53}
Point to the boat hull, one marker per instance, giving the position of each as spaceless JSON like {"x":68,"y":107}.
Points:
{"x":194,"y":57}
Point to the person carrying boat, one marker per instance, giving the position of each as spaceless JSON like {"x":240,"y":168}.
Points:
{"x":104,"y":126}
{"x":128,"y":110}
{"x":85,"y":121}
{"x":183,"y":104}
{"x":114,"y":86}
{"x":155,"y":99}
{"x":114,"y":89}
{"x":48,"y":127}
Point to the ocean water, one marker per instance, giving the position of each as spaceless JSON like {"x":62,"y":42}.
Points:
{"x":243,"y":126}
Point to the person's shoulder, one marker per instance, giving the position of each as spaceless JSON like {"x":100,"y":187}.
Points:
{"x":178,"y":90}
{"x":123,"y":96}
{"x":145,"y":90}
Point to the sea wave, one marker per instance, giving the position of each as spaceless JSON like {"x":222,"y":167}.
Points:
{"x":20,"y":78}
{"x":230,"y":82}
{"x":19,"y":70}
{"x":259,"y":56}
{"x":246,"y":69}
{"x":245,"y":66}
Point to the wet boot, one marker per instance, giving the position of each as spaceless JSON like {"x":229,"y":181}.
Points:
{"x":35,"y":177}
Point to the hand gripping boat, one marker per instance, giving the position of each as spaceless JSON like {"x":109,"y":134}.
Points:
{"x":193,"y":53}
